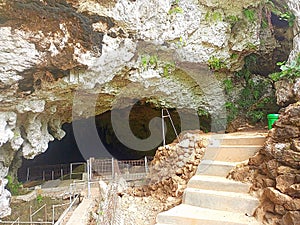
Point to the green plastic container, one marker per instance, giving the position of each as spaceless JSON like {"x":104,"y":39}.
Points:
{"x":271,"y":119}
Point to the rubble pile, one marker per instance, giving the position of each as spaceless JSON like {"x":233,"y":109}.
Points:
{"x":172,"y":168}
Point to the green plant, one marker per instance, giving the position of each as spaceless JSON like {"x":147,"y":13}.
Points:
{"x":234,"y":56}
{"x":288,"y":71}
{"x":167,"y":69}
{"x":282,"y":11}
{"x":13,"y":186}
{"x":213,"y":16}
{"x":251,"y":46}
{"x":215,"y":63}
{"x":153,"y":60}
{"x":39,"y":198}
{"x":232,"y":19}
{"x":144,"y":61}
{"x":203,"y":112}
{"x":147,"y":60}
{"x":250,"y":15}
{"x":255,"y":101}
{"x":228,"y":85}
{"x":175,"y":8}
{"x":181,"y":42}
{"x":232,"y":111}
{"x":289,"y":17}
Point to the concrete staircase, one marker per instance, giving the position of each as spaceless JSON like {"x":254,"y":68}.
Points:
{"x":211,"y":198}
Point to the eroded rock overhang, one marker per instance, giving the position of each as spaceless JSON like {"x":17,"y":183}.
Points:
{"x":65,"y":60}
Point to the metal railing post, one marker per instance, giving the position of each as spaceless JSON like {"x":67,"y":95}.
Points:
{"x":146,"y":165}
{"x":163,"y":127}
{"x":88,"y":177}
{"x":71,"y":171}
{"x":62,"y":174}
{"x":53,"y":214}
{"x":28,"y":173}
{"x":30,"y":217}
{"x":112,"y":169}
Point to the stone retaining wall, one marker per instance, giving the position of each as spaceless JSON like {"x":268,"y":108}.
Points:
{"x":172,"y":168}
{"x":275,"y":171}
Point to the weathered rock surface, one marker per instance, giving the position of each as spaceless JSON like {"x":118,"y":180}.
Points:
{"x":275,"y":171}
{"x":70,"y":59}
{"x":172,"y":167}
{"x":288,"y":92}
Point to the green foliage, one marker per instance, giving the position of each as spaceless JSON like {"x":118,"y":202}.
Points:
{"x":254,"y":101}
{"x":215,"y":63}
{"x":289,"y":17}
{"x":13,"y":186}
{"x":181,"y":42}
{"x":153,"y":60}
{"x":251,"y":46}
{"x":147,"y":61}
{"x":288,"y":71}
{"x":232,"y":111}
{"x":250,"y":15}
{"x":175,"y":8}
{"x":213,"y":16}
{"x":281,"y":11}
{"x":234,"y":56}
{"x":228,"y":85}
{"x":144,"y":61}
{"x":203,"y":112}
{"x":232,"y":19}
{"x":39,"y":198}
{"x":167,"y":69}
{"x":264,"y":23}
{"x":216,"y":16}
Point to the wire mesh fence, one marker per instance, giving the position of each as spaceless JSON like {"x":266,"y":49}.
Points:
{"x":106,"y":169}
{"x":52,"y":172}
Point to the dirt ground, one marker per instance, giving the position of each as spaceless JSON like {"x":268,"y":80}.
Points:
{"x":21,"y":209}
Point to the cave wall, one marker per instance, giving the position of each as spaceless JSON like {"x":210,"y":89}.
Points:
{"x":275,"y":169}
{"x":67,"y":59}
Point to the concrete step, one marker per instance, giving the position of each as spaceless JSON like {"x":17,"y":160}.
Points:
{"x":221,"y":200}
{"x":191,"y":215}
{"x":229,"y":153}
{"x":228,"y":139}
{"x":215,"y":168}
{"x":217,"y":184}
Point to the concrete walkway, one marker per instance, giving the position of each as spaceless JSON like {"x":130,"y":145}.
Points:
{"x":81,"y":214}
{"x":211,"y":198}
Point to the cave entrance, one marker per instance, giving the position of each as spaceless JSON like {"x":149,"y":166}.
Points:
{"x":67,"y":151}
{"x":56,"y":159}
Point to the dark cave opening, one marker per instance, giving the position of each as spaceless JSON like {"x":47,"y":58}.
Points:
{"x":67,"y":150}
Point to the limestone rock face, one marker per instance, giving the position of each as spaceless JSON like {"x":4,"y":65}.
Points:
{"x":4,"y":194}
{"x":275,"y":170}
{"x":70,"y":59}
{"x":287,"y":91}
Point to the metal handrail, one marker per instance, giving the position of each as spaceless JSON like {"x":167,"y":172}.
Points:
{"x":60,"y":219}
{"x":16,"y":221}
{"x":24,"y":222}
{"x":53,"y":210}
